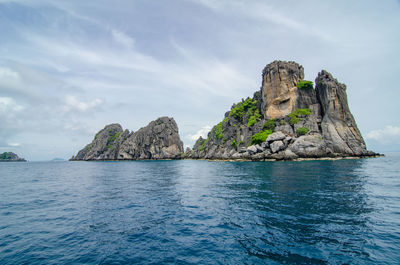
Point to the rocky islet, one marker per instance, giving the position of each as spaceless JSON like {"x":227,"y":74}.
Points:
{"x":287,"y":119}
{"x":10,"y":157}
{"x":158,"y":140}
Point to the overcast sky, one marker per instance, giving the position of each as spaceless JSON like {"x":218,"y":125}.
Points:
{"x":68,"y":68}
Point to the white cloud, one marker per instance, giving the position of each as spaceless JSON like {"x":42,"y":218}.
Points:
{"x":14,"y":144}
{"x":8,"y":73}
{"x":202,"y":132}
{"x":262,"y":11}
{"x":389,"y":134}
{"x":72,"y":103}
{"x":122,"y":38}
{"x":8,"y":104}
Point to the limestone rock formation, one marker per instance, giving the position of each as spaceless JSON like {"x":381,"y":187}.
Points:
{"x":10,"y":157}
{"x":338,"y":125}
{"x":158,"y":140}
{"x":286,"y":119}
{"x":280,"y":95}
{"x":104,"y":146}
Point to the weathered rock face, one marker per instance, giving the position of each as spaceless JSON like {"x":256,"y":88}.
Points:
{"x":10,"y":157}
{"x":338,"y":125}
{"x":285,"y":120}
{"x":104,"y":145}
{"x":158,"y":140}
{"x":280,"y":95}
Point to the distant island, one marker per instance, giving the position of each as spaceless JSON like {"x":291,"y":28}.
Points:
{"x":57,"y":159}
{"x":10,"y":157}
{"x":287,"y":119}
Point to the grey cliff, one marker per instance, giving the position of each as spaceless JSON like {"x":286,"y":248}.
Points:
{"x":158,"y":140}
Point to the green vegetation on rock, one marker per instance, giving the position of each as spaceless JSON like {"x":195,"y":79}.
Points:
{"x":218,"y":131}
{"x":234,"y":144}
{"x":304,"y":84}
{"x":241,"y":108}
{"x":302,"y":131}
{"x":112,"y":137}
{"x":294,"y":116}
{"x":10,"y":156}
{"x":246,"y":108}
{"x":198,"y":141}
{"x":269,"y":125}
{"x":201,"y":148}
{"x":253,"y":117}
{"x":6,"y":156}
{"x":282,"y":122}
{"x":260,"y":137}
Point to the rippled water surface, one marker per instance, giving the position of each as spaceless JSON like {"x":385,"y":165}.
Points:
{"x":313,"y":212}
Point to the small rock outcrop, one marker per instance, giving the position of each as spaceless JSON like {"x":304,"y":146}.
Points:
{"x":158,"y":140}
{"x":10,"y":157}
{"x":288,"y":118}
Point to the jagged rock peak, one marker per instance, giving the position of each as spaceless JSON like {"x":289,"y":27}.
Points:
{"x":338,"y":125}
{"x":279,"y":92}
{"x":292,"y":67}
{"x":104,"y":145}
{"x":158,"y":140}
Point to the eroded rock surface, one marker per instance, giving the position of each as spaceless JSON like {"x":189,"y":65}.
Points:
{"x":158,"y":140}
{"x":339,"y":128}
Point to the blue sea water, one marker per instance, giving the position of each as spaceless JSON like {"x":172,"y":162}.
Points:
{"x":200,"y":212}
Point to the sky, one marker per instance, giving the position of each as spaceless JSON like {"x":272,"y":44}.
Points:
{"x":68,"y":68}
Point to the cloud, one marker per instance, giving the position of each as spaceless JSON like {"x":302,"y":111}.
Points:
{"x":389,"y":134}
{"x":122,"y":38}
{"x":202,"y":132}
{"x":262,"y":11}
{"x":8,"y":105}
{"x":72,"y":103}
{"x":8,"y":73}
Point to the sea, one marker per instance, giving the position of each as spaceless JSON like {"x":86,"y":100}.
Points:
{"x":201,"y":212}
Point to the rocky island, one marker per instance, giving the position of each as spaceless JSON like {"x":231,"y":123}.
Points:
{"x":158,"y":140}
{"x":10,"y":157}
{"x":287,"y":119}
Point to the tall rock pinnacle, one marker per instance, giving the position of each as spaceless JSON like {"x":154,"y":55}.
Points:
{"x":338,"y":125}
{"x":280,"y":95}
